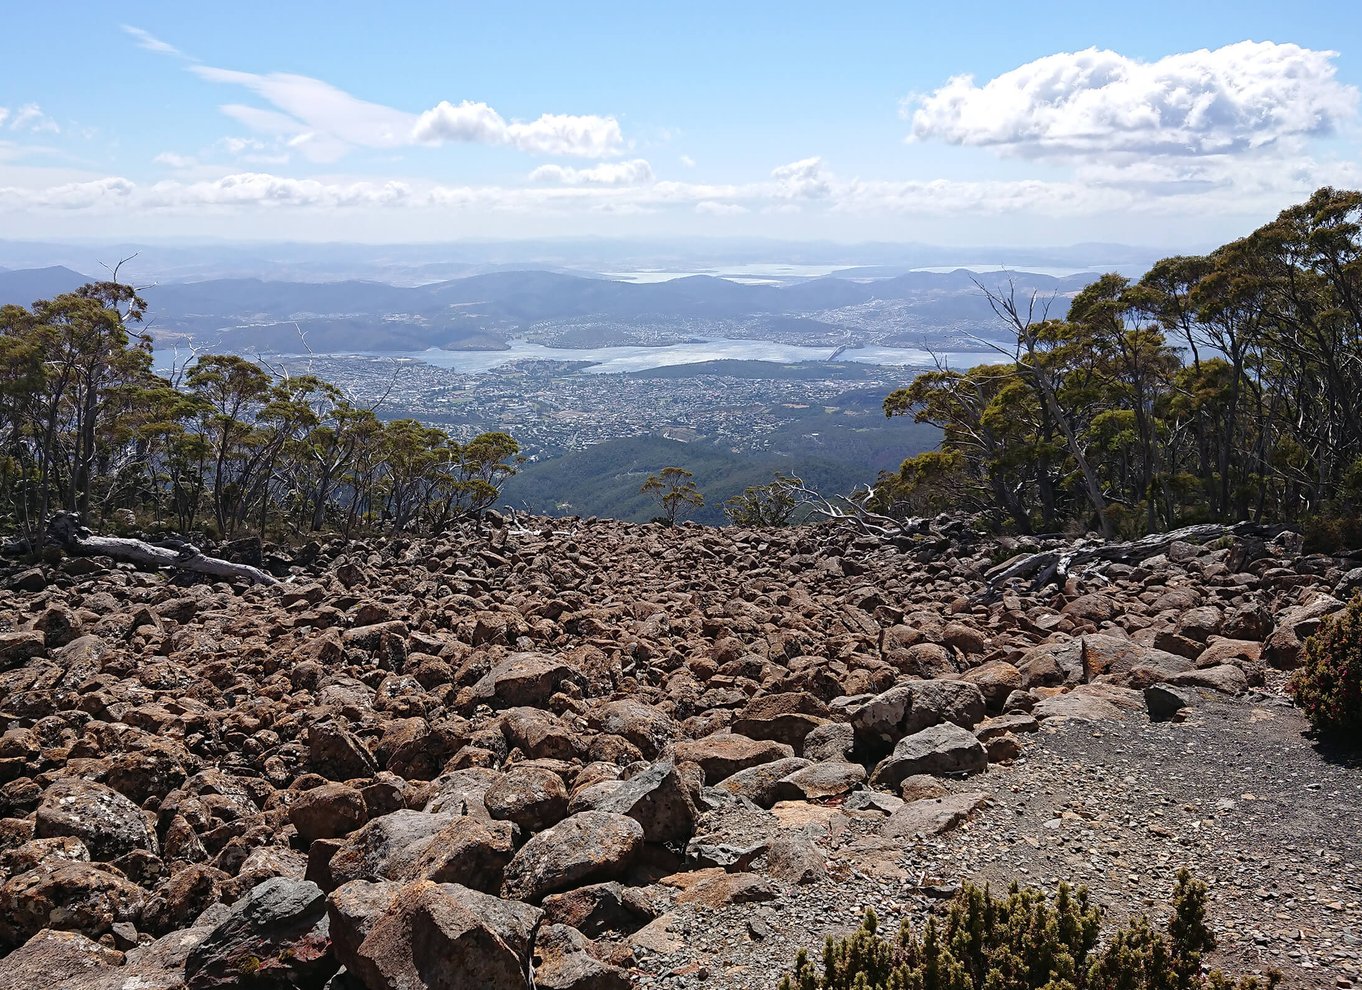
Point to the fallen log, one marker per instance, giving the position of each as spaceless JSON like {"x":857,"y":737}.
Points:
{"x":64,"y":530}
{"x":1055,"y":566}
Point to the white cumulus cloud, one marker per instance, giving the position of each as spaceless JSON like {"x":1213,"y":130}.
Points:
{"x":629,"y":173}
{"x":585,"y":136}
{"x":1242,"y":97}
{"x":804,"y":179}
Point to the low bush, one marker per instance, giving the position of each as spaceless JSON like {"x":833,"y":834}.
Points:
{"x":1026,"y":941}
{"x":1328,"y":684}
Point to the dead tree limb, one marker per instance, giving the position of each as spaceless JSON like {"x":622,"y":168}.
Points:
{"x":853,"y":509}
{"x":1055,"y":566}
{"x":64,"y":529}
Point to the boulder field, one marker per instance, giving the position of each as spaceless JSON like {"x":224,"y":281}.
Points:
{"x":508,"y":757}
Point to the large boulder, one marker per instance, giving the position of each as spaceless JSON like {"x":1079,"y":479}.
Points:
{"x":932,"y":816}
{"x":881,"y":721}
{"x":277,"y":935}
{"x":76,"y":897}
{"x":327,"y":812}
{"x":941,"y":749}
{"x":658,"y":798}
{"x":589,"y":847}
{"x":428,"y":936}
{"x":531,"y":797}
{"x":563,"y":961}
{"x":724,"y":754}
{"x":108,"y":823}
{"x":522,"y":679}
{"x":786,"y":717}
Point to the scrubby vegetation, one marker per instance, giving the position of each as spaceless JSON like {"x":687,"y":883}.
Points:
{"x":1026,"y":941}
{"x":223,"y":445}
{"x":675,"y":492}
{"x":1328,"y":684}
{"x":1214,"y":389}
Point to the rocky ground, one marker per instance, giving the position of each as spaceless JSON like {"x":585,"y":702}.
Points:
{"x":615,"y":755}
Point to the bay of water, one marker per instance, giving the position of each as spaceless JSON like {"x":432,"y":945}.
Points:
{"x":610,"y":360}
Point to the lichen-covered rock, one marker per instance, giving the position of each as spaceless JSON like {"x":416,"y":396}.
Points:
{"x":108,"y":823}
{"x":79,"y":897}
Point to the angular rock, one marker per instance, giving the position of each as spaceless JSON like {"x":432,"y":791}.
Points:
{"x":434,"y":937}
{"x":932,"y":816}
{"x":277,"y":935}
{"x":588,"y":847}
{"x":820,"y":781}
{"x":108,"y":823}
{"x":328,"y":812}
{"x":725,"y":754}
{"x":941,"y":749}
{"x":530,"y":797}
{"x":658,"y":798}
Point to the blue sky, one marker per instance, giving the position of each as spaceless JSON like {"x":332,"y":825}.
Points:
{"x":964,"y":124}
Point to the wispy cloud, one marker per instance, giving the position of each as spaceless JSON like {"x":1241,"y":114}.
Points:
{"x":29,"y":117}
{"x":324,"y":123}
{"x":147,"y":40}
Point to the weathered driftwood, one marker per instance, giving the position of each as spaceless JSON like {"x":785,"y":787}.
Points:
{"x":1056,"y":565}
{"x":65,"y":530}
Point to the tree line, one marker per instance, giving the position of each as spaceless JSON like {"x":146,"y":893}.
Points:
{"x":224,"y":445}
{"x":1217,"y":388}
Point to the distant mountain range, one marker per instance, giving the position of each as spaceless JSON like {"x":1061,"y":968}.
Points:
{"x":484,"y":311}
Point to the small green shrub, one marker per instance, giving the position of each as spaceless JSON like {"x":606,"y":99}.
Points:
{"x":1026,"y":941}
{"x":1328,"y":684}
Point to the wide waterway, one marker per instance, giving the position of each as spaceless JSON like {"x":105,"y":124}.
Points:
{"x":608,"y":360}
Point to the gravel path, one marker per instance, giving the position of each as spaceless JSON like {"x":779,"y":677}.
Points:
{"x":1236,"y":793}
